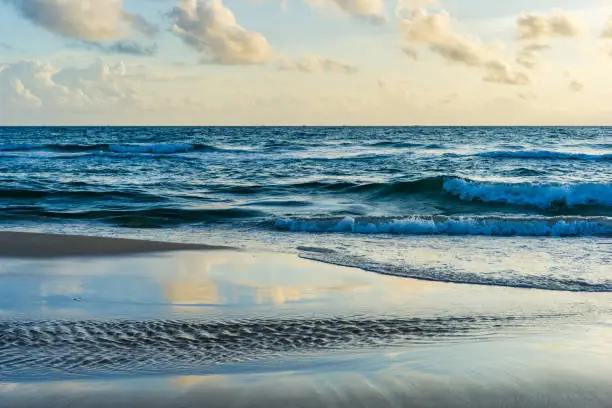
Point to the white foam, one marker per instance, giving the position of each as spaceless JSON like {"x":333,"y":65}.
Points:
{"x":417,"y":225}
{"x":537,"y":195}
{"x":545,"y":154}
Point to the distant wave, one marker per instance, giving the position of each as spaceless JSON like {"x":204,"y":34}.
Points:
{"x":23,"y":193}
{"x":545,"y":196}
{"x":391,"y":143}
{"x":441,"y":225}
{"x":151,"y":148}
{"x":600,"y":145}
{"x":154,"y":148}
{"x":545,"y":154}
{"x":138,"y":218}
{"x":438,"y":192}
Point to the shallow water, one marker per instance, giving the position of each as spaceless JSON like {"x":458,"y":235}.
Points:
{"x":226,"y":328}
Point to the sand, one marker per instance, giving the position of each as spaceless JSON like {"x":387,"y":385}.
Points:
{"x":222,"y":328}
{"x":36,"y":245}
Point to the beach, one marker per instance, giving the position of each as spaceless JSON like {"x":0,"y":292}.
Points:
{"x":39,"y":245}
{"x":305,"y":267}
{"x":111,"y":322}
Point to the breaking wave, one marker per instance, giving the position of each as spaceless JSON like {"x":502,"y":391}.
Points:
{"x":539,"y":195}
{"x":441,"y":225}
{"x":544,"y":196}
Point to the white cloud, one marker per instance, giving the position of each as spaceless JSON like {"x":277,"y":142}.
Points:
{"x":436,"y":33}
{"x":371,"y":11}
{"x":38,"y":84}
{"x":529,"y":55}
{"x":211,"y":28}
{"x":88,"y":20}
{"x":404,"y":7}
{"x":315,"y":64}
{"x":555,"y":24}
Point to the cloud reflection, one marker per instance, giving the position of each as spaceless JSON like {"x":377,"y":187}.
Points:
{"x":224,"y":278}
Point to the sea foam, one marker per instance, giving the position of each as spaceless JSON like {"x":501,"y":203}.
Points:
{"x":543,"y":196}
{"x":440,"y":225}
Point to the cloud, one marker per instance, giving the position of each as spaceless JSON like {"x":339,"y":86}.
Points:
{"x":529,"y":55}
{"x":394,"y":88}
{"x":88,"y":20}
{"x":576,"y":86}
{"x":435,"y":32}
{"x":555,"y":24}
{"x":34,"y":84}
{"x":500,"y":73}
{"x":142,"y":25}
{"x":6,"y":46}
{"x":211,"y":29}
{"x":368,"y":10}
{"x":121,"y":47}
{"x":371,"y":11}
{"x":607,"y":32}
{"x":527,"y":96}
{"x":405,"y":7}
{"x":316,"y":64}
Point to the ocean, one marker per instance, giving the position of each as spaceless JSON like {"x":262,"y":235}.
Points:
{"x":527,"y":207}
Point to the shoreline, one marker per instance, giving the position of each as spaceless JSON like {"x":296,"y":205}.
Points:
{"x":265,"y":329}
{"x":48,"y":245}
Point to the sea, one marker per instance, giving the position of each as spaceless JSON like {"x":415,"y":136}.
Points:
{"x":526,"y":207}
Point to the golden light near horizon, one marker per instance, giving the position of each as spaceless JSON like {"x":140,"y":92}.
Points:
{"x":319,"y":62}
{"x":203,"y":279}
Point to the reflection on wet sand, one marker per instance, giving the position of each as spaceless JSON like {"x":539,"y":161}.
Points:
{"x":397,"y":386}
{"x":222,"y":328}
{"x":202,"y":279}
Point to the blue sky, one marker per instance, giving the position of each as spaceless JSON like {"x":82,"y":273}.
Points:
{"x":304,"y":62}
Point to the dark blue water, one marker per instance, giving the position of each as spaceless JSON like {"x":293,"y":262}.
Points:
{"x":532,"y":207}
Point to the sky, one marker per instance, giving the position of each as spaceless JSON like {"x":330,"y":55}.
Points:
{"x":305,"y":62}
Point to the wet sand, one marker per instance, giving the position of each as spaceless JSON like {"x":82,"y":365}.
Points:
{"x":221,"y":328}
{"x":34,"y":245}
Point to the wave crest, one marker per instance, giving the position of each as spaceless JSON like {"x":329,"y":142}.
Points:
{"x":441,"y":225}
{"x":544,"y":196}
